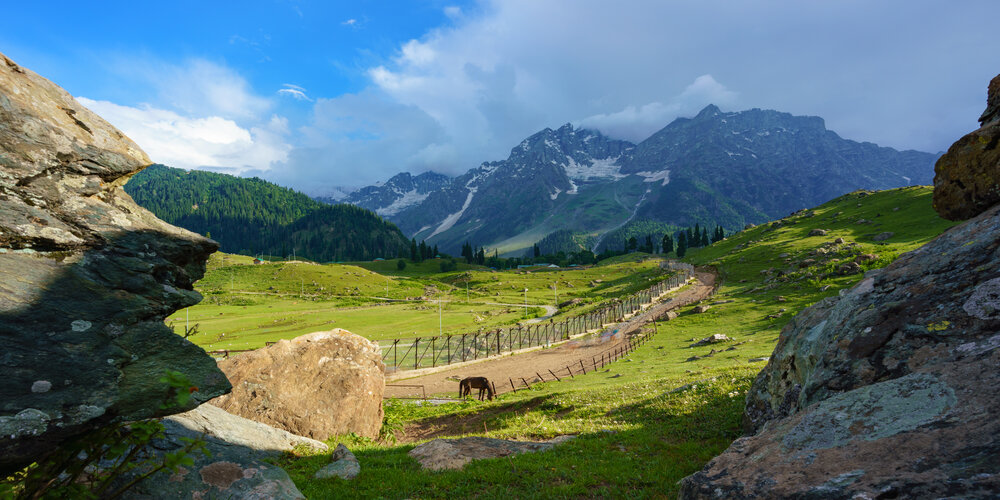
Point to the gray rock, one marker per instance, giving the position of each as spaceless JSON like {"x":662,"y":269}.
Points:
{"x":86,"y":277}
{"x":239,"y":431}
{"x":712,"y":339}
{"x":232,"y":470}
{"x":343,"y":464}
{"x":817,"y":232}
{"x":701,"y":309}
{"x":455,"y":453}
{"x":888,"y":390}
{"x":883,"y":236}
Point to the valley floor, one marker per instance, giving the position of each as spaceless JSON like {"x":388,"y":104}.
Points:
{"x":507,"y":372}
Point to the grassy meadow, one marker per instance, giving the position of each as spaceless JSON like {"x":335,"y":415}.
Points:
{"x":247,"y":305}
{"x":645,"y":422}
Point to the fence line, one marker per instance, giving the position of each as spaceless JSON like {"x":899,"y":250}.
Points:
{"x":631,"y":343}
{"x":420,"y":352}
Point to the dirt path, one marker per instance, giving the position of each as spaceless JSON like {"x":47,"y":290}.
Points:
{"x":501,"y":370}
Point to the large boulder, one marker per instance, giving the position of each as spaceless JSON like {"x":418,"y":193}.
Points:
{"x":316,"y":385}
{"x":886,"y":391}
{"x":86,"y":277}
{"x":967,"y":177}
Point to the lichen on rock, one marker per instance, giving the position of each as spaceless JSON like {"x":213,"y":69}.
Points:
{"x":86,"y":276}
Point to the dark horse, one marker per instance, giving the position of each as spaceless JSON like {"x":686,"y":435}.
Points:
{"x":467,"y":384}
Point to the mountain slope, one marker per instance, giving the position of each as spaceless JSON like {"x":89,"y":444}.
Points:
{"x":398,"y":193}
{"x":715,"y":168}
{"x":252,"y":216}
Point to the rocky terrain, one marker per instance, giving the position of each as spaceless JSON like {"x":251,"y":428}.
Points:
{"x":888,"y":390}
{"x":86,"y":277}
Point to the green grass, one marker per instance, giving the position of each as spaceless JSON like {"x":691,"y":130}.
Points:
{"x":247,"y":305}
{"x":637,"y":437}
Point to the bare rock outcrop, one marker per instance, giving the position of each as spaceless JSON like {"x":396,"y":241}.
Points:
{"x":967,"y":177}
{"x":86,"y":277}
{"x":888,"y":391}
{"x":316,"y":385}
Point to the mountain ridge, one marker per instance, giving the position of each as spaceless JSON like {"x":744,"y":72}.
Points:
{"x":728,"y":168}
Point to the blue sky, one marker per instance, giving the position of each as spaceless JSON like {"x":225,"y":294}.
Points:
{"x":316,"y":95}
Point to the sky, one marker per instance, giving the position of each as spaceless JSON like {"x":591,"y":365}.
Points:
{"x":326,"y":96}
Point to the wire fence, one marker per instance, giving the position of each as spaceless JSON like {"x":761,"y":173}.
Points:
{"x":580,"y":366}
{"x":429,"y":352}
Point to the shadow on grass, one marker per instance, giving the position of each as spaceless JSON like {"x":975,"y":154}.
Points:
{"x":667,"y":437}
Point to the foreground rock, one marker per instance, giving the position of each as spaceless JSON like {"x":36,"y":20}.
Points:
{"x":967,"y":177}
{"x":234,"y":468}
{"x":343,"y":464}
{"x":455,"y":453}
{"x":887,"y":391}
{"x":239,"y":431}
{"x":86,"y":277}
{"x":317,"y":385}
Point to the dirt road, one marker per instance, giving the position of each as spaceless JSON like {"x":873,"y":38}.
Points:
{"x":502,"y":369}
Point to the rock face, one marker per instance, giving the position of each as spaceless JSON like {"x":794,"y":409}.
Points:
{"x":441,"y":454}
{"x":234,"y":468}
{"x":888,"y":390}
{"x":967,"y":177}
{"x":86,"y":276}
{"x":316,"y":385}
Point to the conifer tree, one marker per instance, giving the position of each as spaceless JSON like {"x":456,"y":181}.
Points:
{"x":704,"y":237}
{"x":682,"y":245}
{"x":668,"y":244}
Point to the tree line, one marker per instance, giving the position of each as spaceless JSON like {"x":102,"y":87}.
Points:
{"x":253,"y":216}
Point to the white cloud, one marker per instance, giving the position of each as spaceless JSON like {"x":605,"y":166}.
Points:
{"x":203,"y":87}
{"x":294,"y":91}
{"x":635,"y":123}
{"x":491,"y":77}
{"x":350,"y":22}
{"x":196,"y":142}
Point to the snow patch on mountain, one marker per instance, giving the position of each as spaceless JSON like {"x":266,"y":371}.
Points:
{"x":663,"y":175}
{"x":556,"y":194}
{"x":603,"y":168}
{"x":407,"y":199}
{"x":450,"y":220}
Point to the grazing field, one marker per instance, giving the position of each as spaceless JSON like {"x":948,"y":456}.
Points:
{"x":645,"y":422}
{"x":247,"y":305}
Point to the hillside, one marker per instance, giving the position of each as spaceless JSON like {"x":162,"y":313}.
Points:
{"x":714,"y":168}
{"x":646,"y":422}
{"x":252,"y":216}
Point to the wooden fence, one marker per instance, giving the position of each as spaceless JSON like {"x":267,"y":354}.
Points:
{"x":427,"y":352}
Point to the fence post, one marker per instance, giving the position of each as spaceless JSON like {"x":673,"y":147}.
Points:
{"x":556,"y":376}
{"x":416,"y":347}
{"x":570,"y":372}
{"x":463,"y":347}
{"x":512,"y":385}
{"x":449,"y":349}
{"x":433,"y":352}
{"x":583,"y":367}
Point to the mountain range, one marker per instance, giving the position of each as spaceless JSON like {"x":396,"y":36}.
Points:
{"x":716,"y":168}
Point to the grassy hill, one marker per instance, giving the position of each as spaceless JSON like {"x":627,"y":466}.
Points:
{"x":646,"y":422}
{"x":253,"y":216}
